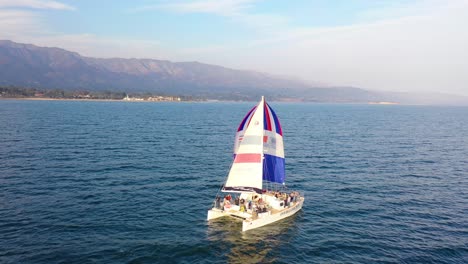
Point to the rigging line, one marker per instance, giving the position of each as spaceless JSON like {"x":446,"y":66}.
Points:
{"x":224,"y":182}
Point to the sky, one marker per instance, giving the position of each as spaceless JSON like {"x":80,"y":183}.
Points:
{"x":382,"y":45}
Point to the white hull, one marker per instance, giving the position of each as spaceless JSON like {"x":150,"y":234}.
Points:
{"x":251,"y":222}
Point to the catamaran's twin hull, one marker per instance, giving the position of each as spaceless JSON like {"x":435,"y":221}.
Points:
{"x":262,"y":219}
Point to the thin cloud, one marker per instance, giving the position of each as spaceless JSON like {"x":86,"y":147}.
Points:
{"x":238,"y":11}
{"x":35,"y":4}
{"x":18,"y":23}
{"x":216,"y":7}
{"x":23,"y":19}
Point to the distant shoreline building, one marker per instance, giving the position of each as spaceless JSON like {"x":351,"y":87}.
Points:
{"x":154,"y":99}
{"x":384,"y":103}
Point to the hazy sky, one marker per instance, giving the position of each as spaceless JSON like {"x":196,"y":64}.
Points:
{"x":393,"y":45}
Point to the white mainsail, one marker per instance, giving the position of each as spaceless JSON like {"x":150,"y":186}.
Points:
{"x":247,"y":169}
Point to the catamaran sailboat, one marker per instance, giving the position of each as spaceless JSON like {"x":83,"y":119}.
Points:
{"x":257,"y":175}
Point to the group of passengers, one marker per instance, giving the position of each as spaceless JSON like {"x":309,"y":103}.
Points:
{"x":226,"y":204}
{"x":256,"y":203}
{"x":286,"y":198}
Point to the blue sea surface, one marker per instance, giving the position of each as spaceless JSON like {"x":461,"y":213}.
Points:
{"x":120,"y":182}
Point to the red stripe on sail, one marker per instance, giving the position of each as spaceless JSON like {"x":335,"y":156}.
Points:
{"x":248,"y":158}
{"x":267,"y":115}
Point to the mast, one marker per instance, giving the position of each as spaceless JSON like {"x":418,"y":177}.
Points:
{"x":262,"y":103}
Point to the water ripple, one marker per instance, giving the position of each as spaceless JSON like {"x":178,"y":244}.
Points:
{"x":94,"y":182}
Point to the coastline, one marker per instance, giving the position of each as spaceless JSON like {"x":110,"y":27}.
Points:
{"x":166,"y":101}
{"x":81,"y":100}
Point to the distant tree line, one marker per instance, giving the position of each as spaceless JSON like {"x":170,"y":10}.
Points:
{"x":15,"y":92}
{"x":26,"y":92}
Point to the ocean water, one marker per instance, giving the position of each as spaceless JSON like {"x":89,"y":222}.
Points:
{"x":119,"y":182}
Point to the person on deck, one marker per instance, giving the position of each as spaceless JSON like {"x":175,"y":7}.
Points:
{"x":227,"y":205}
{"x":242,"y":206}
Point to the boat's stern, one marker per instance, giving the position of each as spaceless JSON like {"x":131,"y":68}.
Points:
{"x":215,"y":213}
{"x":268,"y":217}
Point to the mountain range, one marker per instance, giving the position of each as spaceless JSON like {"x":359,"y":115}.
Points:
{"x":28,"y":65}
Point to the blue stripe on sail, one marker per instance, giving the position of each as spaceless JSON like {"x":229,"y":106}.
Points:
{"x":273,"y":169}
{"x":247,"y":117}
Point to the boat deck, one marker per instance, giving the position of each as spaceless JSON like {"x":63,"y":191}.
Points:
{"x":234,"y":211}
{"x":252,"y":219}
